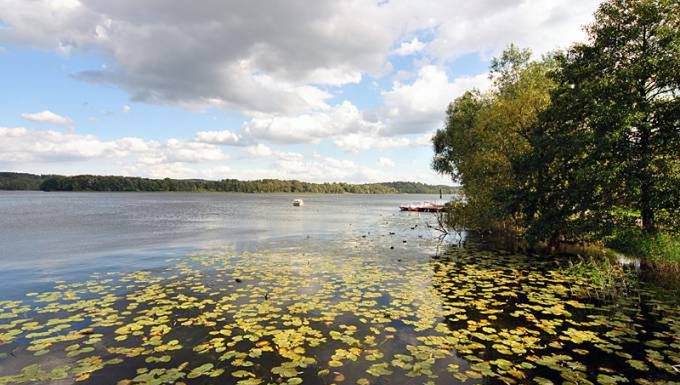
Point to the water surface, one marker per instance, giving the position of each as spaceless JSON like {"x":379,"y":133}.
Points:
{"x":245,"y":289}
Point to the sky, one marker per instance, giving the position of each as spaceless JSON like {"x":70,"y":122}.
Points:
{"x":320,"y":91}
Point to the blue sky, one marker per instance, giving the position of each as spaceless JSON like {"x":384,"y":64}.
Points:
{"x":352,"y":91}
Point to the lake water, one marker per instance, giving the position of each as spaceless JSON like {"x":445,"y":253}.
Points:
{"x":47,"y":236}
{"x":165,"y":288}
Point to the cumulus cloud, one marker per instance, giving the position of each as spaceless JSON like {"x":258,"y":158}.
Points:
{"x":270,"y":56}
{"x":419,"y":106}
{"x":225,"y":137}
{"x":324,"y":168}
{"x":255,"y":55}
{"x":178,"y":151}
{"x":342,"y":119}
{"x":356,"y":142}
{"x":126,"y":108}
{"x":48,"y":116}
{"x":279,"y":64}
{"x":260,"y":150}
{"x":68,"y":153}
{"x":409,"y":47}
{"x":413,"y":107}
{"x":424,"y":139}
{"x":489,"y":26}
{"x":22,"y":145}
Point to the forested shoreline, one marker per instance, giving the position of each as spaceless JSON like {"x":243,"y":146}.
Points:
{"x":579,"y":146}
{"x":103,"y":183}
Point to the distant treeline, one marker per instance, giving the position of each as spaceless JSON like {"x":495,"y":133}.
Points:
{"x":19,"y":181}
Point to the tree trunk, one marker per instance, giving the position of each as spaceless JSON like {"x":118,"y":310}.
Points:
{"x":647,"y":212}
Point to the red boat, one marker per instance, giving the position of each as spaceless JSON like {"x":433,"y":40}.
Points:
{"x":423,"y":208}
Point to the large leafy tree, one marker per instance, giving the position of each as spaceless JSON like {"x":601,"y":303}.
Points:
{"x":610,"y":141}
{"x":486,"y":132}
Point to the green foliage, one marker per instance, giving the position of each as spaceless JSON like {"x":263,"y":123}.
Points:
{"x":486,"y":132}
{"x":608,"y":278}
{"x":118,"y":183}
{"x":610,"y":138}
{"x":15,"y":181}
{"x":582,"y":144}
{"x":659,"y":248}
{"x":20,"y":181}
{"x":420,"y":188}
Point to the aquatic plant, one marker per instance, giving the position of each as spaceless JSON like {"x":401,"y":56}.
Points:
{"x":249,"y":319}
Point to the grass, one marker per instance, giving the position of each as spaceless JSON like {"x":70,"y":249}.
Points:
{"x":661,"y":251}
{"x":606,"y":275}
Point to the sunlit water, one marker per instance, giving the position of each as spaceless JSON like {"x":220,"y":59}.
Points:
{"x":230,"y":288}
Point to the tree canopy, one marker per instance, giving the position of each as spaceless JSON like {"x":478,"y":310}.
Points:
{"x":609,"y":143}
{"x":487,"y":132}
{"x":579,"y":143}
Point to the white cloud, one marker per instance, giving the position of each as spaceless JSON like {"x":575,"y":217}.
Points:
{"x":408,"y":108}
{"x":355,"y":142}
{"x":260,"y":150}
{"x":312,"y":127}
{"x":489,"y":26}
{"x":334,"y":76}
{"x":25,"y":145}
{"x":178,"y":151}
{"x":420,"y":106}
{"x":279,"y":64}
{"x":67,"y":153}
{"x":231,"y":46}
{"x":219,"y":137}
{"x":385,"y":162}
{"x":48,"y":116}
{"x":410,"y":47}
{"x":424,"y":139}
{"x":324,"y":168}
{"x":416,"y":107}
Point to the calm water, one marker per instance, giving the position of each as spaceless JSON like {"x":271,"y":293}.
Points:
{"x":47,"y":236}
{"x":245,"y":289}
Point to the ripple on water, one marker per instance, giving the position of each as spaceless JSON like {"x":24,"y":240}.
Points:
{"x":290,"y":318}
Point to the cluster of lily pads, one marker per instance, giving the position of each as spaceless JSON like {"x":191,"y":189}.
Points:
{"x":284,"y":318}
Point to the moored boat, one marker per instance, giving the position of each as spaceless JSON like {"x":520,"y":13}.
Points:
{"x":423,"y":207}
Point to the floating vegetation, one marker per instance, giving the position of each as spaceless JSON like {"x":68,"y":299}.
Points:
{"x":250,"y":319}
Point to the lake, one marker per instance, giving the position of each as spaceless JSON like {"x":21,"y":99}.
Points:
{"x":47,"y":236}
{"x":179,"y":288}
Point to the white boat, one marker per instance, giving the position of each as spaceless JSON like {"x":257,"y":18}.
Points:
{"x":298,"y":202}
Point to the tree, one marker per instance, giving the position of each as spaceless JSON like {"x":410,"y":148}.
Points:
{"x":486,"y":132}
{"x":610,"y":140}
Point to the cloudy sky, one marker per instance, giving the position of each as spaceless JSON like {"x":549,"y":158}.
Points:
{"x":313,"y":90}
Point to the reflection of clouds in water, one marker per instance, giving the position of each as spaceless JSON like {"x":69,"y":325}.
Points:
{"x":67,"y":235}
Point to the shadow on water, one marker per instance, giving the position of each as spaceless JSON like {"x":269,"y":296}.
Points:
{"x":521,"y":318}
{"x":468,"y":317}
{"x":373,"y":299}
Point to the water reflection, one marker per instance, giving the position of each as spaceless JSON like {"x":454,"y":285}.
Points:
{"x":470,"y":317}
{"x":374,"y":299}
